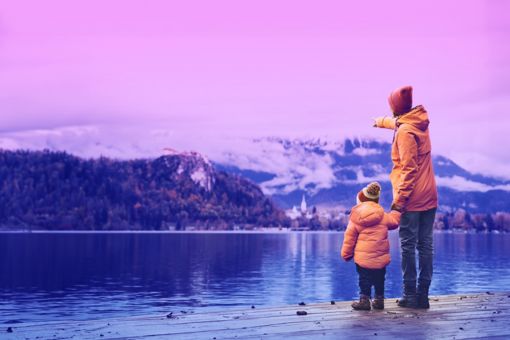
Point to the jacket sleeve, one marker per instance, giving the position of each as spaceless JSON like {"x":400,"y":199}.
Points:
{"x":350,"y":238}
{"x":408,"y":154}
{"x":392,"y":219}
{"x":385,"y":122}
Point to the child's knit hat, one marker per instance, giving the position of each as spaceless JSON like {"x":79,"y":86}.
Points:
{"x":401,"y":100}
{"x":370,"y":193}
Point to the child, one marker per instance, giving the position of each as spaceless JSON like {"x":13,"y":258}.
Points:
{"x":366,"y":239}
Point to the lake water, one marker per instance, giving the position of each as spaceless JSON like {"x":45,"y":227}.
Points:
{"x":50,"y":276}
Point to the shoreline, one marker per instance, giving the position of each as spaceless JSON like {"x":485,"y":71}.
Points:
{"x":268,"y":231}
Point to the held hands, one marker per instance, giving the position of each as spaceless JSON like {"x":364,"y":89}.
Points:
{"x":396,"y":207}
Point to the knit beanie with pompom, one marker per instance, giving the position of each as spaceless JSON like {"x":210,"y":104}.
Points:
{"x":370,"y":193}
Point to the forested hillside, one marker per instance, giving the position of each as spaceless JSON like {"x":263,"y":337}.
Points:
{"x":55,"y":191}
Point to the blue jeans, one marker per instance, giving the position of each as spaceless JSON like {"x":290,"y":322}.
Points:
{"x":415,"y":233}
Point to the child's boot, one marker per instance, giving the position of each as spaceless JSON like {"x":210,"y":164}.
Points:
{"x":423,"y":296}
{"x":378,"y":302}
{"x":363,"y":303}
{"x":409,"y":299}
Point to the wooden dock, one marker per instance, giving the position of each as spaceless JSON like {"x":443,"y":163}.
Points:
{"x":469,"y":316}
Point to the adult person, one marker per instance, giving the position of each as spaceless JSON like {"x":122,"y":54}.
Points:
{"x":414,"y":192}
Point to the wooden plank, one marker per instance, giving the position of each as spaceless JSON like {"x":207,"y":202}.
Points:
{"x":472,"y":315}
{"x":340,"y":313}
{"x":217,"y":323}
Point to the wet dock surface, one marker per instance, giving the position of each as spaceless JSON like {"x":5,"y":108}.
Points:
{"x":466,"y":316}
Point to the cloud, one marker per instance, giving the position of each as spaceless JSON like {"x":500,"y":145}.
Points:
{"x":483,"y":164}
{"x":294,"y":167}
{"x":462,"y":184}
{"x":293,"y":161}
{"x":476,"y":140}
{"x":361,"y":151}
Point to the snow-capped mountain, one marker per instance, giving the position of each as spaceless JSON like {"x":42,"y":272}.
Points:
{"x":328,"y":171}
{"x":332,"y":172}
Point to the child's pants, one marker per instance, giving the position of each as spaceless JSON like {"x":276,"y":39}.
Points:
{"x":369,"y":278}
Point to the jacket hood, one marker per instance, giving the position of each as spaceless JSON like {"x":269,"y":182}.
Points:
{"x":367,"y":214}
{"x":417,"y":117}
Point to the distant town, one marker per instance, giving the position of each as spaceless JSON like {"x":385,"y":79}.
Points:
{"x":304,"y":218}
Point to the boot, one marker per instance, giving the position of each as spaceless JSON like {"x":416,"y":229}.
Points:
{"x":423,"y":296}
{"x":363,"y":304}
{"x":378,"y":302}
{"x":409,"y":299}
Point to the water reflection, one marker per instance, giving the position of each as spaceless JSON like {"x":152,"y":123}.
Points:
{"x":84,"y":276}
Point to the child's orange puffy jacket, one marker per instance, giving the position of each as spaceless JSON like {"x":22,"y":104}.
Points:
{"x":366,"y":237}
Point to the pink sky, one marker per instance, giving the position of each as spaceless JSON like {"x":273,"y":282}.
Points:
{"x":261,"y":67}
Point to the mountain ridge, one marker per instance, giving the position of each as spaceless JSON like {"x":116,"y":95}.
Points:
{"x":328,"y":170}
{"x":346,"y":166}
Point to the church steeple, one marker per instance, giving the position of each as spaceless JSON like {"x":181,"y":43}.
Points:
{"x":303,"y":205}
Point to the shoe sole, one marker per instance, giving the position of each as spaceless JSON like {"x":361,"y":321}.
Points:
{"x":361,"y":308}
{"x":407,"y":306}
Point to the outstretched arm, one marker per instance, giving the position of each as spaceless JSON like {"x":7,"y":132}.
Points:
{"x":350,"y":238}
{"x":392,"y":219}
{"x":385,"y":122}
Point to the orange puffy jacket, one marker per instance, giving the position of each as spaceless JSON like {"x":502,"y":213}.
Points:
{"x":412,"y":177}
{"x":366,"y":236}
